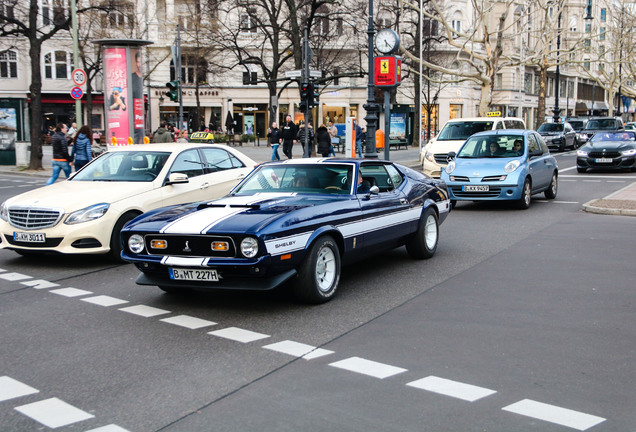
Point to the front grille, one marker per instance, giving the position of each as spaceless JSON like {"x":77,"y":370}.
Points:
{"x":30,"y":218}
{"x":613,"y":154}
{"x":459,"y":178}
{"x":441,"y":158}
{"x":191,"y":245}
{"x":492,"y":193}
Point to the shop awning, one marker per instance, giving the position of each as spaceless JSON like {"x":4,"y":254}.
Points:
{"x":582,"y":106}
{"x":600,"y":105}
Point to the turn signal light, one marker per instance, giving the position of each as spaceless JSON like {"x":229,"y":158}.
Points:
{"x":220,"y":246}
{"x":159,"y":244}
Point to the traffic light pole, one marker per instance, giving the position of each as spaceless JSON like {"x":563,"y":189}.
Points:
{"x":179,"y":77}
{"x":305,"y":79}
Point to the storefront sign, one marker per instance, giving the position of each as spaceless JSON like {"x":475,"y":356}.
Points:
{"x":387,"y":71}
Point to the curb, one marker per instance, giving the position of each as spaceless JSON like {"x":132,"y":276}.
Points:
{"x":589,"y":207}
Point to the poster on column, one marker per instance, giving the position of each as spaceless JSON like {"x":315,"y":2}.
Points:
{"x":116,"y":97}
{"x":8,"y":128}
{"x":137,"y":86}
{"x":398,"y":126}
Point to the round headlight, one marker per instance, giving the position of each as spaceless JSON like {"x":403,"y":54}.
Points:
{"x":249,"y":247}
{"x":450,"y":167}
{"x":136,"y":243}
{"x":511,"y":166}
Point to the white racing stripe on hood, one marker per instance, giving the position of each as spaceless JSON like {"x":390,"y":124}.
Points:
{"x":197,"y":222}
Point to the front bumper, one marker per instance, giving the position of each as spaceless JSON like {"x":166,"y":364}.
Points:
{"x":618,"y":163}
{"x":496,"y":191}
{"x":432,"y":169}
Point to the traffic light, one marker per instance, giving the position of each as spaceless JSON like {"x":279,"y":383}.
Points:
{"x":302,"y":106}
{"x":173,"y":92}
{"x":315,"y":96}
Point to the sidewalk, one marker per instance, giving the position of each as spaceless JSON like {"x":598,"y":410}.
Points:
{"x":621,"y":202}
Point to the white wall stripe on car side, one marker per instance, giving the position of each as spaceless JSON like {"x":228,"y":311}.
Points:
{"x":283,"y":245}
{"x":375,"y":223}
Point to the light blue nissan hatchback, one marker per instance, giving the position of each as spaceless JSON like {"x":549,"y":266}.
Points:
{"x":508,"y":164}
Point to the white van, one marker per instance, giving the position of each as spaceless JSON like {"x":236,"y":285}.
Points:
{"x":434,"y":155}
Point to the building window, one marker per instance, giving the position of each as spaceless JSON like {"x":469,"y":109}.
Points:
{"x":588,"y":28}
{"x":456,"y":25}
{"x":321,"y":25}
{"x":247,"y":23}
{"x":8,"y":64}
{"x":57,"y":65}
{"x":603,"y":15}
{"x":537,"y":84}
{"x":53,"y":12}
{"x":7,"y":8}
{"x":601,"y":33}
{"x":499,"y":81}
{"x":601,"y":67}
{"x":193,"y":70}
{"x":573,"y":23}
{"x":562,"y":88}
{"x":119,"y":16}
{"x":587,"y":44}
{"x":586,"y":65}
{"x":527,"y":83}
{"x":188,"y":15}
{"x":570,"y":89}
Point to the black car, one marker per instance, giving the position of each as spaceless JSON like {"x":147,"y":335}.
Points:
{"x":608,"y":150}
{"x":558,"y":135}
{"x":601,"y":124}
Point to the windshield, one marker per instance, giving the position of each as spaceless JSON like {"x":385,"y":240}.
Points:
{"x":601,"y":124}
{"x":301,"y":178}
{"x":493,"y":146}
{"x":462,"y":130}
{"x":576,"y":124}
{"x":124,"y":166}
{"x":550,"y":127}
{"x":618,"y":136}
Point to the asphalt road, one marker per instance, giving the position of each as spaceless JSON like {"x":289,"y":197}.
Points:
{"x":523,"y":321}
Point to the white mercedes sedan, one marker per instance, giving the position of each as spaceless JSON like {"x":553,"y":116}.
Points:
{"x":85,"y":214}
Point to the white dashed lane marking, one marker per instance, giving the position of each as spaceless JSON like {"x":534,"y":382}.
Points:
{"x":190,"y":322}
{"x":298,"y":349}
{"x":239,"y":335}
{"x":104,"y":300}
{"x":54,"y":413}
{"x":39,"y":284}
{"x":467,"y":392}
{"x":70,"y":292}
{"x":144,"y":311}
{"x":13,"y":277}
{"x":554,"y":414}
{"x":368,"y":367}
{"x":109,"y":428}
{"x":10,"y":389}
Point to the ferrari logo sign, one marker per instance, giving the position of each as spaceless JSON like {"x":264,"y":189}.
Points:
{"x":387,"y":71}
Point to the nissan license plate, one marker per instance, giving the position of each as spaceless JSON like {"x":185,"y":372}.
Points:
{"x":29,"y":237}
{"x":194,"y":275}
{"x":476,"y":188}
{"x":603,"y":160}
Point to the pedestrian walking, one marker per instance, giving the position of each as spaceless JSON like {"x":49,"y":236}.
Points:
{"x":162,"y":135}
{"x":61,"y":158}
{"x":335,"y":139}
{"x":359,"y":139}
{"x":183,"y":136}
{"x":275,"y":138}
{"x":300,"y":136}
{"x":82,"y":153}
{"x":324,"y":141}
{"x":288,"y":134}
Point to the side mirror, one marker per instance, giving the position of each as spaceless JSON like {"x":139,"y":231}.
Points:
{"x":177,"y":178}
{"x":374,"y":190}
{"x":451,"y":156}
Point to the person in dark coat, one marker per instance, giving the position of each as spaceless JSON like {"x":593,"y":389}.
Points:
{"x":61,"y":158}
{"x":324,"y":140}
{"x":275,"y":138}
{"x":288,"y":134}
{"x":310,"y":137}
{"x":82,"y":153}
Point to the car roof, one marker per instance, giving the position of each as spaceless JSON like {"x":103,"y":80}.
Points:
{"x":503,"y":132}
{"x":457,"y":120}
{"x":170,"y":147}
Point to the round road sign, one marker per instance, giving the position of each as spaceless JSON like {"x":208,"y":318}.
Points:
{"x":76,"y":93}
{"x":79,"y":77}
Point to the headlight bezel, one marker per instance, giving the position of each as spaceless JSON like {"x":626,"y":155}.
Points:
{"x":4,"y":212}
{"x":581,"y":153}
{"x":249,"y":247}
{"x":512,"y":166}
{"x":87,"y":214}
{"x":450,"y":167}
{"x":630,"y":152}
{"x":139,"y":242}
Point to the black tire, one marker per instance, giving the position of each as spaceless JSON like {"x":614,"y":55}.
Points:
{"x":424,"y":243}
{"x":319,"y":274}
{"x":575,"y":144}
{"x":551,"y":191}
{"x":580,"y":170}
{"x":115,"y":241}
{"x":526,"y":195}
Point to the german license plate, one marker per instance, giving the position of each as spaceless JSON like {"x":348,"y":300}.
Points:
{"x":476,"y":188}
{"x":29,"y":237}
{"x":194,"y":275}
{"x":604,"y":160}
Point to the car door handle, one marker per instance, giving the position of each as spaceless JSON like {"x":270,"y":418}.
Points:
{"x":204,"y":186}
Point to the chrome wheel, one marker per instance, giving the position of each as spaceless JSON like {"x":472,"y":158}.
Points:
{"x":325,"y":268}
{"x":431,"y":231}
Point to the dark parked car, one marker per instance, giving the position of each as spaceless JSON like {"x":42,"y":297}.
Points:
{"x":558,"y":135}
{"x":601,"y":124}
{"x":608,"y":150}
{"x":294,"y":220}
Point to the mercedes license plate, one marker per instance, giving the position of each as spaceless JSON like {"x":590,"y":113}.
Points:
{"x":476,"y":188}
{"x":603,"y":160}
{"x":194,"y":275}
{"x":29,"y":237}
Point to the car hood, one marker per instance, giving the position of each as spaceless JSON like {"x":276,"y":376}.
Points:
{"x":75,"y":195}
{"x":608,"y":145}
{"x":480,"y":167}
{"x":239,"y":214}
{"x":445,"y":146}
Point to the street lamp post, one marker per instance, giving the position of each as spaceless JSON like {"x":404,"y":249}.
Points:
{"x":557,"y":110}
{"x":371,"y":107}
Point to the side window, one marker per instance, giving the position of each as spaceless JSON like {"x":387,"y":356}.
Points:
{"x":377,"y":175}
{"x":189,"y":163}
{"x":394,"y":175}
{"x":219,"y":159}
{"x":533,"y":144}
{"x":499,"y":125}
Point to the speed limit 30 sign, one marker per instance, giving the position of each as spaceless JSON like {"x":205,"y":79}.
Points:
{"x":79,"y":77}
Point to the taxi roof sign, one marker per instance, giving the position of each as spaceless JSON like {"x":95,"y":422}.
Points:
{"x":493,"y":114}
{"x":201,"y":136}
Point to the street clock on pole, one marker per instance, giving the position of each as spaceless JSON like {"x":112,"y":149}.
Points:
{"x":387,"y":41}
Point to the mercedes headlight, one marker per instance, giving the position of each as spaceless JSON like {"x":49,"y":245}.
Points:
{"x":249,"y":247}
{"x":450,"y":167}
{"x":429,"y":156}
{"x":512,"y":166}
{"x":630,"y":152}
{"x":136,"y":243}
{"x":4,"y":212}
{"x":87,"y":214}
{"x":581,"y":153}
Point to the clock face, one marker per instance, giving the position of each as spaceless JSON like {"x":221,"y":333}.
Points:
{"x":387,"y":41}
